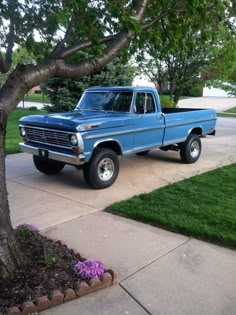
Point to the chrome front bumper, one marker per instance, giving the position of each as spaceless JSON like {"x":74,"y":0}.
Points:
{"x":53,"y":155}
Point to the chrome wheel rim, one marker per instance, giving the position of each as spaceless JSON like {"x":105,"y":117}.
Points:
{"x":194,"y":149}
{"x":105,"y":169}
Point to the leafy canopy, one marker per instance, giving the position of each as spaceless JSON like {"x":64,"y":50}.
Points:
{"x":40,"y":25}
{"x":55,"y":32}
{"x":186,"y":44}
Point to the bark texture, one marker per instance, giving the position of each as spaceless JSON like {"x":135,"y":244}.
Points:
{"x":10,"y":255}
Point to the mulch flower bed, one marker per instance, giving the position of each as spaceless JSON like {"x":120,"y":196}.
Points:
{"x":52,"y":274}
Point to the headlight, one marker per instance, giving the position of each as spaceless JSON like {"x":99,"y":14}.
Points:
{"x":22,"y":132}
{"x":73,"y":140}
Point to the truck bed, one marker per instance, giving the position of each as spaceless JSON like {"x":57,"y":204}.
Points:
{"x":180,"y":122}
{"x":167,"y":110}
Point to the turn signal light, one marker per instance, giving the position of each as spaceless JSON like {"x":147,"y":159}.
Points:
{"x":75,"y":150}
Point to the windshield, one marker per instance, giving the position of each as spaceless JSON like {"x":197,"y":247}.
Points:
{"x":106,"y":101}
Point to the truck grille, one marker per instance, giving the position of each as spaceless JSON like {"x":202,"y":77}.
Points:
{"x":48,"y":136}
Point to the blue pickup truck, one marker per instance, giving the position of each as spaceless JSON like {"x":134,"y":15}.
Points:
{"x":110,"y":122}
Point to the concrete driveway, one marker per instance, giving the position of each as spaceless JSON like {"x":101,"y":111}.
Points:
{"x":159,"y":272}
{"x":219,"y":103}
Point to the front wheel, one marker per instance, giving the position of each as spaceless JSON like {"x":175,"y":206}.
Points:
{"x":49,"y":167}
{"x":190,"y":150}
{"x":102,"y":169}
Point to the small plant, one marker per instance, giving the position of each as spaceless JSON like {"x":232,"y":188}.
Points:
{"x":89,"y":269}
{"x":49,"y":257}
{"x":26,"y":229}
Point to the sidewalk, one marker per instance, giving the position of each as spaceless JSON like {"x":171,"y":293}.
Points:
{"x":159,"y":272}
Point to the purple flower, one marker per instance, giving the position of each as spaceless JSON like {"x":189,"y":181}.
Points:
{"x":26,"y":229}
{"x":89,"y":269}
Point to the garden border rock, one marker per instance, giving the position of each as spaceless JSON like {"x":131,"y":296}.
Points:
{"x":57,"y":297}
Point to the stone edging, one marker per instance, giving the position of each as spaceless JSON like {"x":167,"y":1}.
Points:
{"x":57,"y":297}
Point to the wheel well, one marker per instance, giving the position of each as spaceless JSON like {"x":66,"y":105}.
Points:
{"x":112,"y":145}
{"x":196,"y":131}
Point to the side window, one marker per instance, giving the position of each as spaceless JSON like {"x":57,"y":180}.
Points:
{"x":140,"y":102}
{"x":150,"y":105}
{"x":144,"y":103}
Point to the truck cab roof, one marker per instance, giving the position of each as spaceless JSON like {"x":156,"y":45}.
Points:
{"x":121,"y":88}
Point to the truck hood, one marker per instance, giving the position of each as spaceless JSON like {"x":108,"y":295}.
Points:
{"x":78,"y":120}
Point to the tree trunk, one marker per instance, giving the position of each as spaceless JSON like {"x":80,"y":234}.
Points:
{"x":10,"y":255}
{"x":171,"y":90}
{"x":17,"y":84}
{"x":178,"y":93}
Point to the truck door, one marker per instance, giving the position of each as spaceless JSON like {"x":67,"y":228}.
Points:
{"x":149,"y":124}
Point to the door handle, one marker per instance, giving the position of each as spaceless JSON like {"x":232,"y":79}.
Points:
{"x":159,"y":117}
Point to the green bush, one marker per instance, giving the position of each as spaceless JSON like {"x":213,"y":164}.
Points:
{"x":167,"y":101}
{"x":196,"y":90}
{"x":166,"y":92}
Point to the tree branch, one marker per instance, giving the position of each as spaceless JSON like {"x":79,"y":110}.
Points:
{"x":60,"y":46}
{"x":10,"y":42}
{"x":140,"y":8}
{"x":69,"y":51}
{"x":94,"y":64}
{"x":157,"y":19}
{"x":3,"y":66}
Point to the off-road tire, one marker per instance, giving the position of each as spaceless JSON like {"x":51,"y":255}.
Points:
{"x":46,"y":166}
{"x":190,"y":150}
{"x":102,"y":169}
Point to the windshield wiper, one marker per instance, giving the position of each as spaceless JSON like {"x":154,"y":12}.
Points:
{"x":96,"y":109}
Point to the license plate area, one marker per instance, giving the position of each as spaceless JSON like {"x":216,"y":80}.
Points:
{"x":43,"y":153}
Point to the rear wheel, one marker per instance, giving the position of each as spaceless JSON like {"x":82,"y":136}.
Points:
{"x":49,"y":167}
{"x":102,"y":169}
{"x":190,"y":150}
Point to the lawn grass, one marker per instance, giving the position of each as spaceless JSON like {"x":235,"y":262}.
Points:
{"x":231,"y":110}
{"x":36,"y":97}
{"x":13,"y":137}
{"x":203,"y":206}
{"x":228,"y":113}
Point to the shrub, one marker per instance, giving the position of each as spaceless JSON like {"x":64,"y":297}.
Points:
{"x":26,"y":229}
{"x":166,"y":92}
{"x":167,"y":101}
{"x":196,"y":90}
